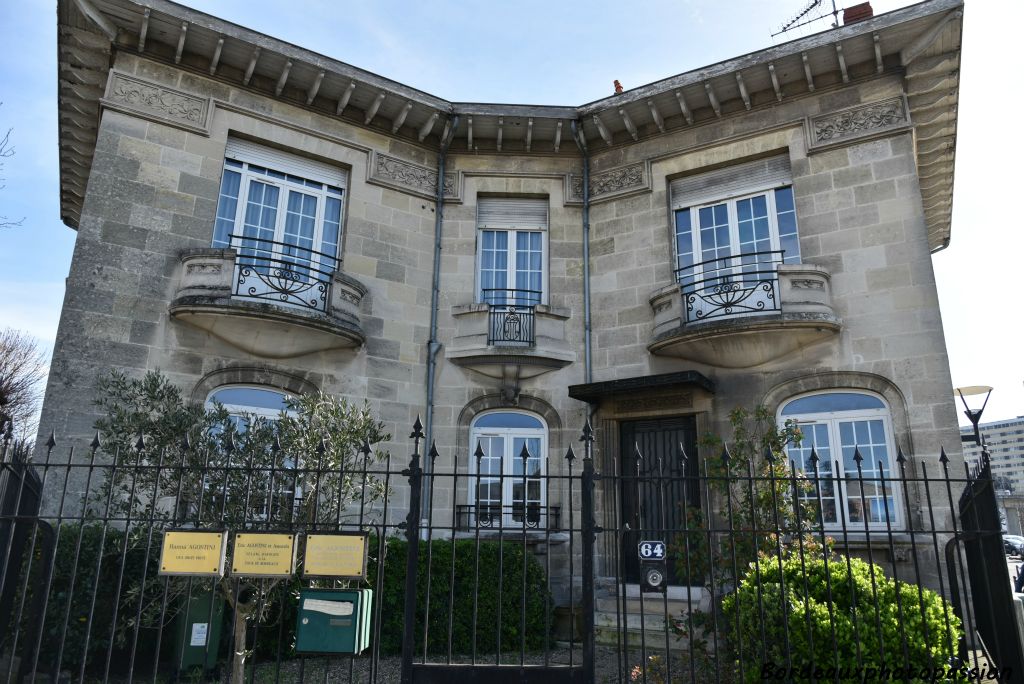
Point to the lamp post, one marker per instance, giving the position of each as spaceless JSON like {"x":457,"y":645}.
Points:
{"x":974,"y":414}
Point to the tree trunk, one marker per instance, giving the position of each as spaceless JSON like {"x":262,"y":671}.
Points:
{"x":238,"y":659}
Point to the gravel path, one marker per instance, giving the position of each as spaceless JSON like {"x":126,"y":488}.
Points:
{"x":357,"y":670}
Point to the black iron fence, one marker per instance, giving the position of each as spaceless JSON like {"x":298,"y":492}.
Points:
{"x":736,"y":285}
{"x":512,"y":318}
{"x":283,"y":273}
{"x":656,"y":567}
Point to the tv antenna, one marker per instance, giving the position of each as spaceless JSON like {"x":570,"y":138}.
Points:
{"x":802,"y":19}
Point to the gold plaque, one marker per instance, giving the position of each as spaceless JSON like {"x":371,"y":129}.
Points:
{"x":193,"y":553}
{"x":260,"y":554}
{"x":340,"y":555}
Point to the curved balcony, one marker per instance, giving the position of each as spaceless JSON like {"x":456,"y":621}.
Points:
{"x":743,"y":310}
{"x":510,"y":333}
{"x":269,"y":299}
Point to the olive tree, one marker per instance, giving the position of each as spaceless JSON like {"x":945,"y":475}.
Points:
{"x":180,"y":464}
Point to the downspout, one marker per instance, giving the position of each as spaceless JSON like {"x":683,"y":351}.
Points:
{"x":433,"y":346}
{"x":581,"y":142}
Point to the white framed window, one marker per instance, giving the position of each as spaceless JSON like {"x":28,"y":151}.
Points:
{"x":837,"y":424}
{"x":506,"y":490}
{"x":758,"y":223}
{"x":512,"y":236}
{"x":733,"y":227}
{"x":284,"y":215}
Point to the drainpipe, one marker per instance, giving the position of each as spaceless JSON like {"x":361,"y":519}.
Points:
{"x":433,"y":346}
{"x":581,"y":142}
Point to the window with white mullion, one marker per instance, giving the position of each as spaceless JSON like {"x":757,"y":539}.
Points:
{"x":529,"y":266}
{"x":494,"y":266}
{"x":301,"y":215}
{"x":511,"y":266}
{"x":838,"y":425}
{"x":502,"y":491}
{"x":753,"y":224}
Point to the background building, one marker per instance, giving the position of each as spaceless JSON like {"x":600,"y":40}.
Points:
{"x":1005,"y":440}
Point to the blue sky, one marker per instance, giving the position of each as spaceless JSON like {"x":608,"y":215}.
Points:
{"x":558,"y":53}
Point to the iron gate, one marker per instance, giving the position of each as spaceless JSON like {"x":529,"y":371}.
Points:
{"x":519,"y":591}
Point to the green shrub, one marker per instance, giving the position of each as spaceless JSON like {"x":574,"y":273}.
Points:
{"x":803,"y":585}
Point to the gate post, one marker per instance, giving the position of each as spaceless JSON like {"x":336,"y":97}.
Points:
{"x":589,"y":533}
{"x":412,"y":535}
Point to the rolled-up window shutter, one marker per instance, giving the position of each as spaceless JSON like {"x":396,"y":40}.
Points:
{"x":505,"y":214}
{"x":731,"y":181}
{"x":245,"y":151}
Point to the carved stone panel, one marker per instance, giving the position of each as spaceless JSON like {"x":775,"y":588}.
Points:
{"x":158,"y":102}
{"x":858,"y":122}
{"x":409,"y":177}
{"x":605,"y":185}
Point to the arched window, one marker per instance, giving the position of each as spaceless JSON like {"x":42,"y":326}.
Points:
{"x":508,"y":490}
{"x":244,"y":402}
{"x":836,"y":425}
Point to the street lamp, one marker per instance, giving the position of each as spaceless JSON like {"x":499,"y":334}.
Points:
{"x":974,"y":415}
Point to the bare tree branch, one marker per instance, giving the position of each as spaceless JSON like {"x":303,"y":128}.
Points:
{"x":22,"y":371}
{"x":6,"y":152}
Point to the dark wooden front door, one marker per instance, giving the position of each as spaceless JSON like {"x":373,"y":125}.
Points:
{"x":654,"y":503}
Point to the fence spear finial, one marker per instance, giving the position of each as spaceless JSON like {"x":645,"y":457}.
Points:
{"x":229,"y":443}
{"x":857,"y":457}
{"x":942,"y":455}
{"x":417,"y":429}
{"x":726,"y":456}
{"x":588,"y":432}
{"x":52,"y":440}
{"x":900,"y":458}
{"x":570,"y":455}
{"x":433,"y":451}
{"x":815,"y":459}
{"x":479,"y":453}
{"x":95,"y":443}
{"x":524,"y":454}
{"x":186,"y":442}
{"x":140,"y":443}
{"x":682,"y":456}
{"x":365,"y":448}
{"x":769,"y":455}
{"x":637,"y":456}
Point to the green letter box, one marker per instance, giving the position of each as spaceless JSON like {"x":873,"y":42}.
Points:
{"x":333,"y":621}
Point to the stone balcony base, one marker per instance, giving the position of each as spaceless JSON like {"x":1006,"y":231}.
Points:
{"x":470,"y":347}
{"x":749,"y":339}
{"x":205,"y":300}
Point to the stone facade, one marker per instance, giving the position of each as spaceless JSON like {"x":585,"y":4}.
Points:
{"x":151,"y":201}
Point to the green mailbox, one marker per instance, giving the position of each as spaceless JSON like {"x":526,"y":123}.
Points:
{"x":333,"y":621}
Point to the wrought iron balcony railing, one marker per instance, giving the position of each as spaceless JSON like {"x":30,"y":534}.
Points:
{"x":494,"y":516}
{"x":730,"y":286}
{"x":512,"y":316}
{"x":282,"y":273}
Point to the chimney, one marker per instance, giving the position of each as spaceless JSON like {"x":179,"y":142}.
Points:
{"x":852,"y":15}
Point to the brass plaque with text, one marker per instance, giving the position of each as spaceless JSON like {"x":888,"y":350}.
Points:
{"x":263,"y":554}
{"x":336,"y":555}
{"x":193,"y":553}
